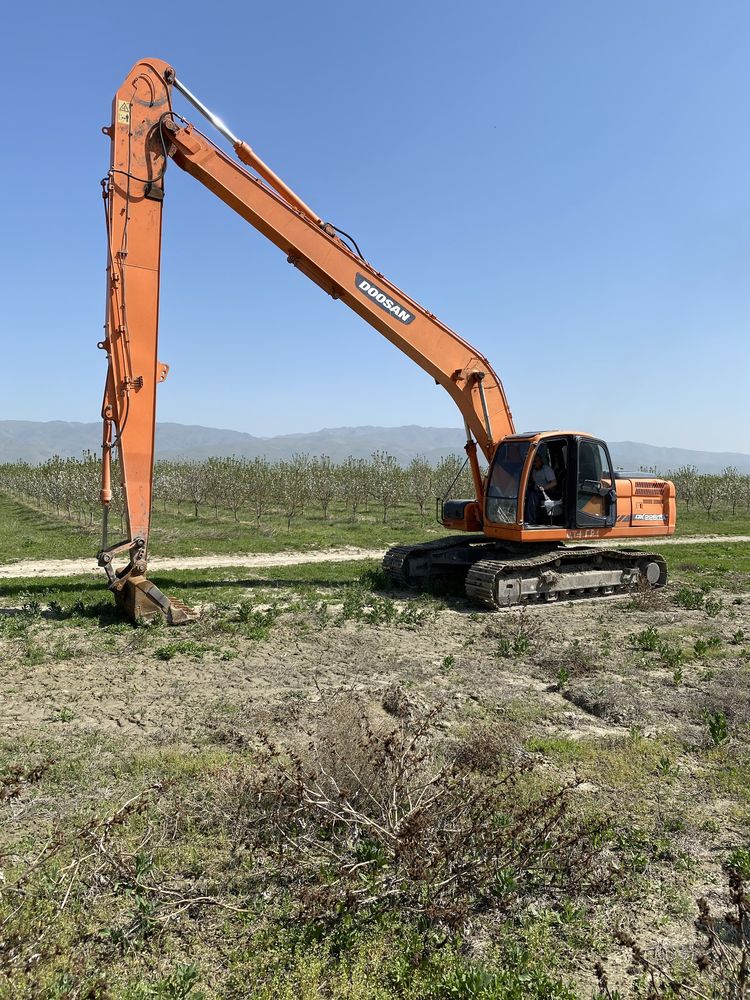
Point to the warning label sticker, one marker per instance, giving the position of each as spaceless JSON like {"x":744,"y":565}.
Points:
{"x":123,"y":113}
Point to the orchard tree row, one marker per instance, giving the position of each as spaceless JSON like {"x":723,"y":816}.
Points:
{"x":729,"y":491}
{"x":251,"y":489}
{"x":245,"y":488}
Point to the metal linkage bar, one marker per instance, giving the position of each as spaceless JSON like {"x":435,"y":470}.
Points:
{"x":214,"y":119}
{"x":250,"y":158}
{"x":479,"y":379}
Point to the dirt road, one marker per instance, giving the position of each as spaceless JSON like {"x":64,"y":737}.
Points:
{"x":76,"y":567}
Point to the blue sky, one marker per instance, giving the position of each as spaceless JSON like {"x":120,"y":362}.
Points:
{"x":566,"y":184}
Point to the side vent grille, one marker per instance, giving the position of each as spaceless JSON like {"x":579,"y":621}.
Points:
{"x":649,"y":488}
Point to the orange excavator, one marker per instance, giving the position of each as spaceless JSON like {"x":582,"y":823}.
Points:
{"x":543,"y":492}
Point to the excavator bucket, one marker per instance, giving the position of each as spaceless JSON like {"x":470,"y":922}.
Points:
{"x":141,"y":601}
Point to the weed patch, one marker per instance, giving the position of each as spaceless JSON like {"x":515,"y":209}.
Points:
{"x":361,"y":605}
{"x":739,"y":862}
{"x":716,"y":723}
{"x":515,"y":636}
{"x":256,"y":623}
{"x":704,"y":647}
{"x":184,"y":647}
{"x":648,"y":639}
{"x":670,"y":654}
{"x":689,"y":598}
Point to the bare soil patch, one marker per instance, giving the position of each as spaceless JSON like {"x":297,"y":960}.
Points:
{"x":643,"y":703}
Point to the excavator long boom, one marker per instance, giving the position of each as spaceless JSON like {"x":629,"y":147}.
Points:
{"x":145,"y":134}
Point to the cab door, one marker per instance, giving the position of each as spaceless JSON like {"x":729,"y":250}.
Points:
{"x":595,"y":492}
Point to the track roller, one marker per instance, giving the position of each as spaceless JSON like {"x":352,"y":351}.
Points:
{"x":499,"y":577}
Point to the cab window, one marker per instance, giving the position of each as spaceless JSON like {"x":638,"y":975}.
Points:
{"x":594,"y":488}
{"x":504,"y":482}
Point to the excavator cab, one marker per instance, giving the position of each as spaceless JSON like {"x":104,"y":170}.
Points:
{"x":543,"y":491}
{"x":578,"y":488}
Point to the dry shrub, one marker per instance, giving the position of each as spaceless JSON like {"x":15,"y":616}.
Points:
{"x":725,"y":953}
{"x":396,"y":701}
{"x":18,"y":779}
{"x":368,"y":820}
{"x":86,"y":870}
{"x":721,"y":969}
{"x":644,"y":597}
{"x":571,"y":661}
{"x":487,"y":747}
{"x":609,"y":698}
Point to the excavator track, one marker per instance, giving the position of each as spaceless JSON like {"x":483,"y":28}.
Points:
{"x":411,"y":565}
{"x":499,"y":578}
{"x":564,"y":575}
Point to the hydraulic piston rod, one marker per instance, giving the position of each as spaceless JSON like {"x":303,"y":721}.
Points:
{"x":249,"y":157}
{"x":200,"y":106}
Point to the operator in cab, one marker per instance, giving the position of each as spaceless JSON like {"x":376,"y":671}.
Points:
{"x":543,"y":479}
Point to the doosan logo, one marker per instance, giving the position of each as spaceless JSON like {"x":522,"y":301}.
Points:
{"x":384,"y":301}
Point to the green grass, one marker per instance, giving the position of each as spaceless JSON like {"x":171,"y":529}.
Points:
{"x":194,"y":586}
{"x":184,"y":535}
{"x":629,"y":763}
{"x":695,"y":522}
{"x":714,"y":564}
{"x":728,"y":771}
{"x":29,"y":534}
{"x":26,"y":533}
{"x":708,"y":564}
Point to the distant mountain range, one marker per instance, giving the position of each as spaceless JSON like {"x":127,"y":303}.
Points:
{"x":34,"y":441}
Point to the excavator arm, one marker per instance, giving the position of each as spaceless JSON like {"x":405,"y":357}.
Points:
{"x":145,"y":133}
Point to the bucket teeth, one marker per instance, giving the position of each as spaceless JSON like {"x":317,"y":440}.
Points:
{"x":141,"y":601}
{"x":180,"y":613}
